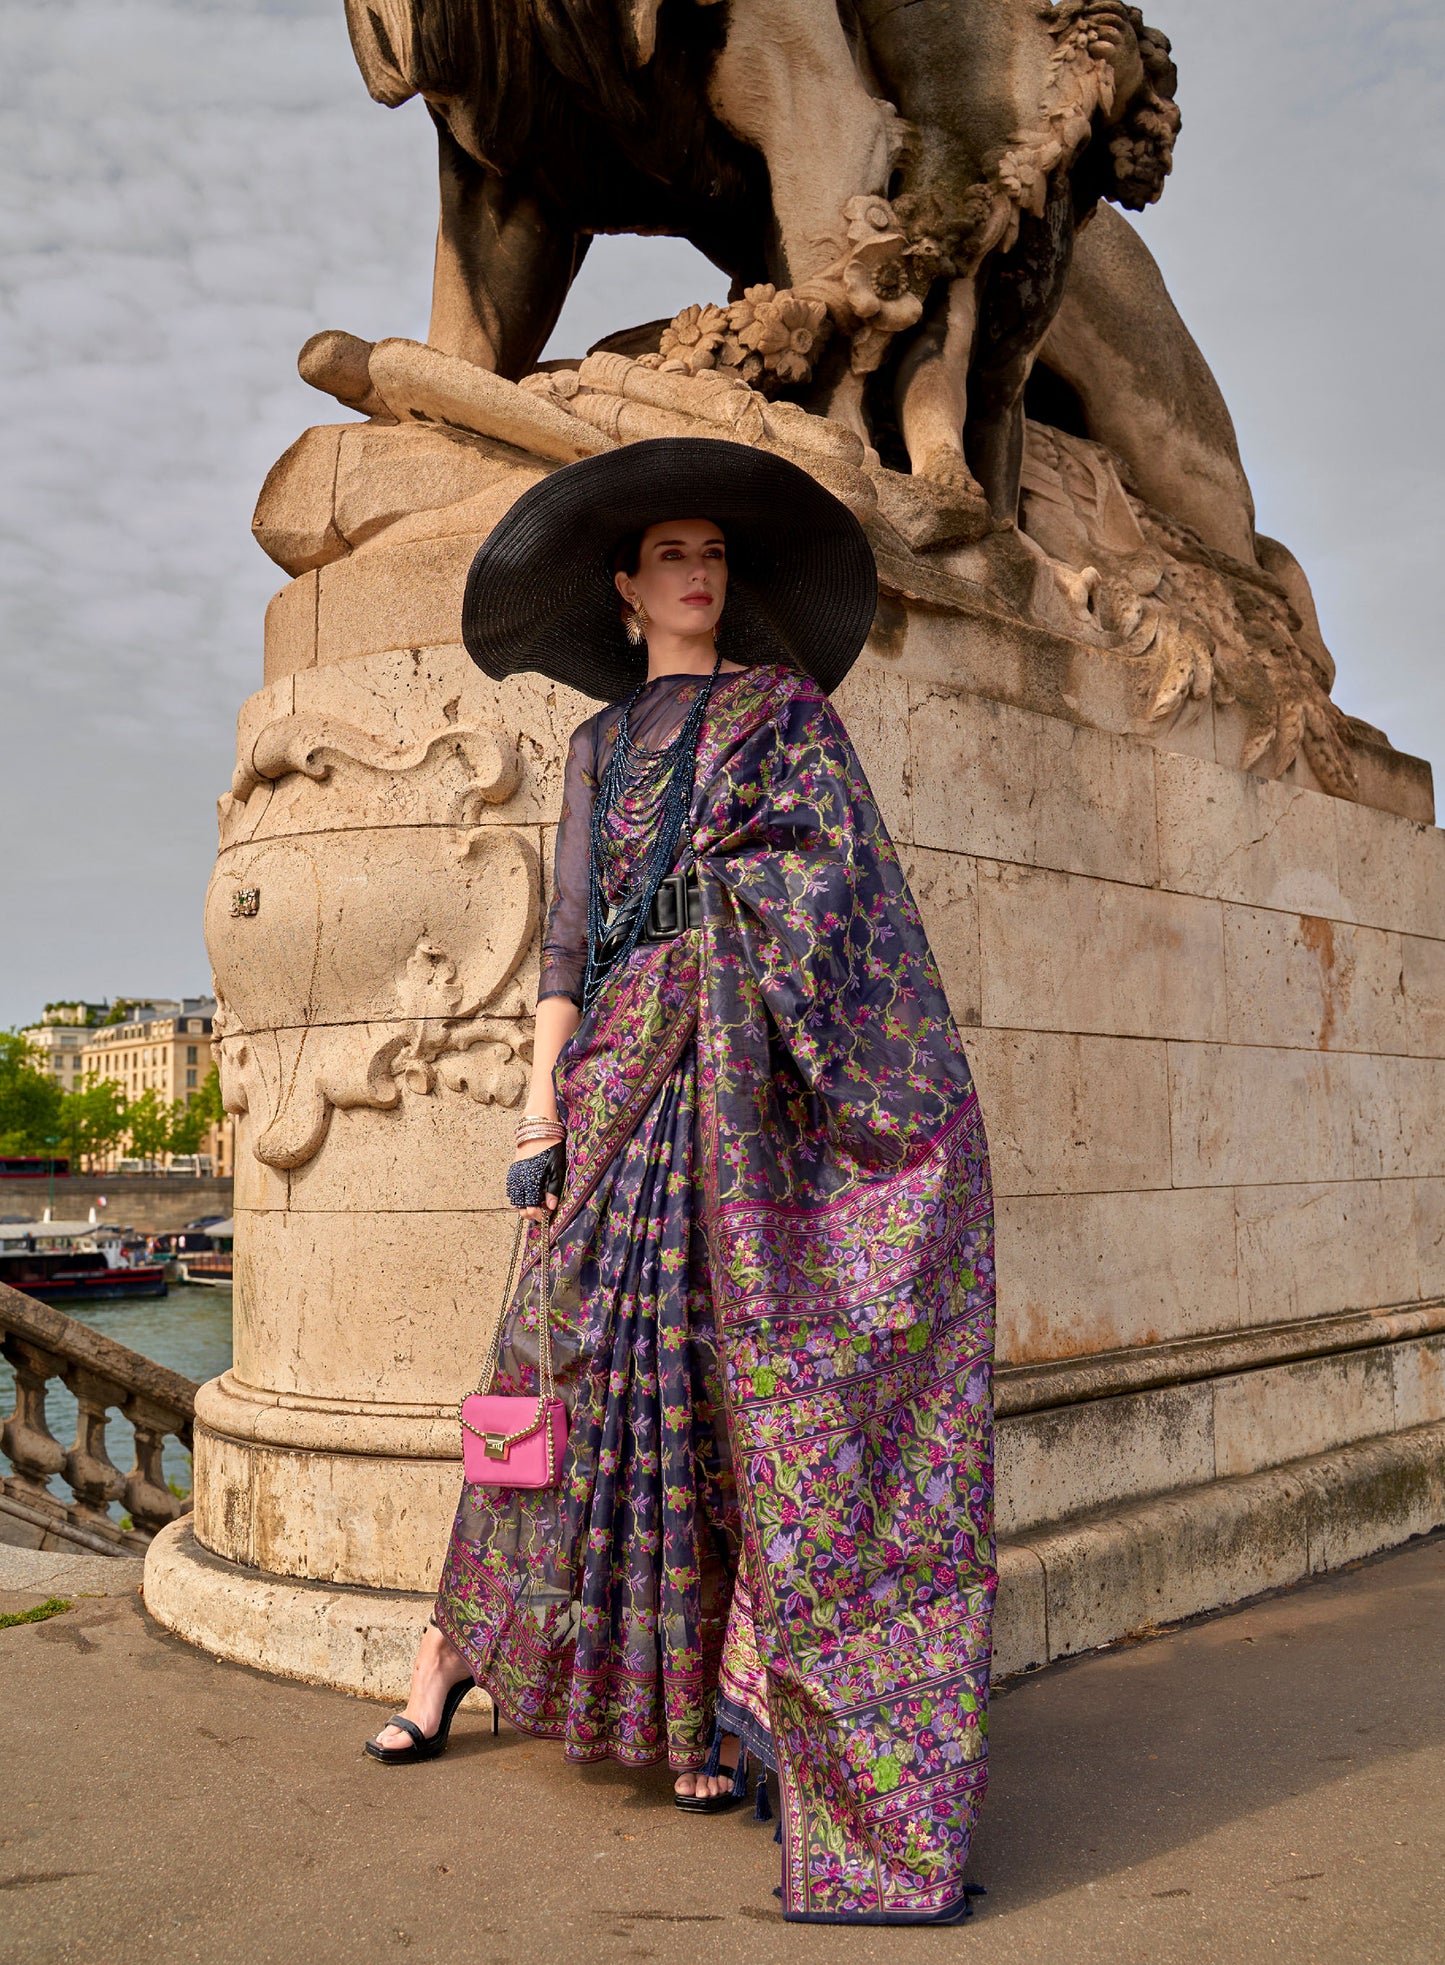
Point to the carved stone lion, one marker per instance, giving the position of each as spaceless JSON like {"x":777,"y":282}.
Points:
{"x":869,"y":176}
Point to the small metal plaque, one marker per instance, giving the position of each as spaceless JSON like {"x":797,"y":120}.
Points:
{"x":246,"y":901}
{"x":496,"y":1446}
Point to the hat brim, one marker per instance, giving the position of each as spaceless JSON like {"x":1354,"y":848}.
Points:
{"x":802,"y":581}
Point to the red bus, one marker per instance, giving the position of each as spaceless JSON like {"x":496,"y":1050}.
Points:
{"x":31,"y":1166}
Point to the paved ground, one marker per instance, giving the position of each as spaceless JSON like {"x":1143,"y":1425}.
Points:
{"x":1268,"y":1785}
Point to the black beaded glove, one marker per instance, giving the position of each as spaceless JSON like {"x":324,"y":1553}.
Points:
{"x":528,"y":1181}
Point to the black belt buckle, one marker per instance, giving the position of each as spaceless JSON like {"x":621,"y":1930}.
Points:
{"x":667,"y":918}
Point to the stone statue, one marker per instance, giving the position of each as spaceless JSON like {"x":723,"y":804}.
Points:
{"x":911,"y":204}
{"x":924,"y":169}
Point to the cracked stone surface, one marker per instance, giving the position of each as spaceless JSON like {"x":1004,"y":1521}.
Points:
{"x":31,"y":1575}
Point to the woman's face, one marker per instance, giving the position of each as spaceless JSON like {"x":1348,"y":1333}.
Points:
{"x":681,"y":578}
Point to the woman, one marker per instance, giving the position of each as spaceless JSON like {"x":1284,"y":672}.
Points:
{"x":772,"y":1262}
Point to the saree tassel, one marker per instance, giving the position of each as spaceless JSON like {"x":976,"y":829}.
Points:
{"x":762,"y":1807}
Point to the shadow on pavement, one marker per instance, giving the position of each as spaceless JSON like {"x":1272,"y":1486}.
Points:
{"x":1101,"y":1763}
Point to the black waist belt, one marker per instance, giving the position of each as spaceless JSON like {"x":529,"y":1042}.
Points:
{"x":676,"y":907}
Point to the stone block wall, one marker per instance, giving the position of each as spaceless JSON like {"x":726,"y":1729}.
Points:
{"x":154,"y":1204}
{"x":1204,"y":1012}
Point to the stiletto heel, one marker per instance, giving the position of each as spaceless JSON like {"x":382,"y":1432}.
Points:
{"x":424,"y":1746}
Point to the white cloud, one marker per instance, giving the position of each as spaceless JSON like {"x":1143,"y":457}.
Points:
{"x":191,"y":189}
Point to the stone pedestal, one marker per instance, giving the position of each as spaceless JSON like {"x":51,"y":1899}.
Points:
{"x":1206,"y":1010}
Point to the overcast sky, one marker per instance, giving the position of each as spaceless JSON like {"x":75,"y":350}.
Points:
{"x":191,"y":189}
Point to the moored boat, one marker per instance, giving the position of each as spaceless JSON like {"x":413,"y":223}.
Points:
{"x":201,"y":1254}
{"x":211,"y":1267}
{"x":74,"y":1262}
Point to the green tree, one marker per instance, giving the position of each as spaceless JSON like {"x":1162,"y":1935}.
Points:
{"x":195,"y":1118}
{"x":149,"y":1121}
{"x":30,"y":1099}
{"x":93,"y":1119}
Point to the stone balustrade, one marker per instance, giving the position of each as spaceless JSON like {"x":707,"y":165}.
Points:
{"x":42,"y":1344}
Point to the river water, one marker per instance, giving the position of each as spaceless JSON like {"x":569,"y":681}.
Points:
{"x":189,"y":1330}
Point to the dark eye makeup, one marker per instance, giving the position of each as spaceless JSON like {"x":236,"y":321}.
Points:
{"x":671,"y":549}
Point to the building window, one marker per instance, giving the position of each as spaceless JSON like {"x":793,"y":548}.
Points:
{"x":190,"y":1077}
{"x":191,"y":1054}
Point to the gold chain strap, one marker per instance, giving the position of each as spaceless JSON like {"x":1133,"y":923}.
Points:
{"x":498,"y":1445}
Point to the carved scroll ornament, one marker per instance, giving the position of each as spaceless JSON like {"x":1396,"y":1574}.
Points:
{"x":482,"y":760}
{"x":384,"y":961}
{"x":376,"y":968}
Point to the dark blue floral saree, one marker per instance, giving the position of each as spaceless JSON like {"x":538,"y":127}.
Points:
{"x":773,"y":1326}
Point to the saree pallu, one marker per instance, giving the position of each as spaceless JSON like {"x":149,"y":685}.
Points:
{"x":818,"y":1267}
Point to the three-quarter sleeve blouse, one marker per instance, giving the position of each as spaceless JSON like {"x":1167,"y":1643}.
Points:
{"x":564,"y":945}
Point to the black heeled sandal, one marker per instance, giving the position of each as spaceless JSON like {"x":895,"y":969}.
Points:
{"x":716,"y":1804}
{"x":424,"y":1746}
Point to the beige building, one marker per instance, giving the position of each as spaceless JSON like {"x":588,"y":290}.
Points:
{"x":57,"y":1050}
{"x":60,"y":1037}
{"x":162,"y":1045}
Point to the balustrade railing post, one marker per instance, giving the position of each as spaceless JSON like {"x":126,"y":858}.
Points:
{"x":148,"y":1499}
{"x":41,"y":1344}
{"x":31,"y":1448}
{"x":92,"y":1474}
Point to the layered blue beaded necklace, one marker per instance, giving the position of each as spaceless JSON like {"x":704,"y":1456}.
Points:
{"x":659,"y":785}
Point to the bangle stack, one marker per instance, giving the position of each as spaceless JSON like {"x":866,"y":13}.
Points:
{"x":536,"y":1130}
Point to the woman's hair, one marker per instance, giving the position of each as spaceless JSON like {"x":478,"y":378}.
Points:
{"x":626,"y":558}
{"x":627,"y":553}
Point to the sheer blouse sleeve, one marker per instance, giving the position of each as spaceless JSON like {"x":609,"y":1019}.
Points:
{"x":564,"y":946}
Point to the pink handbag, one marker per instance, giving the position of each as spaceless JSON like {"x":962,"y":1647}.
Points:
{"x":509,"y":1441}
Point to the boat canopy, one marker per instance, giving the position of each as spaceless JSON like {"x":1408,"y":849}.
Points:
{"x":56,"y":1231}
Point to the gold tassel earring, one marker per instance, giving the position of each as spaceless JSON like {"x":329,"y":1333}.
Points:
{"x":636,"y":624}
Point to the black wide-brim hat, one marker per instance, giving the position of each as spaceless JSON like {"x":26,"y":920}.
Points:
{"x":802,"y":583}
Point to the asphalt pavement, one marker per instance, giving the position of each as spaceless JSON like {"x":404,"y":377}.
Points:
{"x":1267,"y":1784}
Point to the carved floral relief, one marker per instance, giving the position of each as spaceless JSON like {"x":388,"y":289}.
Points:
{"x":1198,"y":622}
